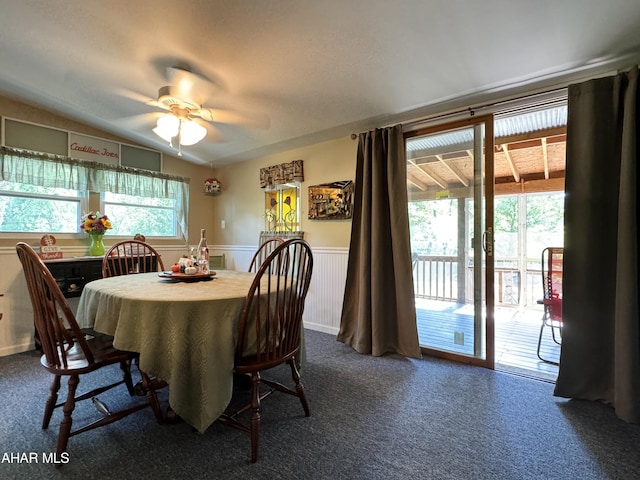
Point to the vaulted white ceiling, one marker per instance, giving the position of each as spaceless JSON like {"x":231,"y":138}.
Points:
{"x":301,"y":71}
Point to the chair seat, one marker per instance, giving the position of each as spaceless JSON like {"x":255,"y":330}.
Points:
{"x":253,"y":364}
{"x":77,"y":363}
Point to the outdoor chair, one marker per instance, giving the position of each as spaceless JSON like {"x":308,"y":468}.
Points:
{"x":552,"y":263}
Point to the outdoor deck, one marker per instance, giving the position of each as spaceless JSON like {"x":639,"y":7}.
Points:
{"x":516,"y":335}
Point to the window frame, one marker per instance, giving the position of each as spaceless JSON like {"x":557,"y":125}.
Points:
{"x":176,"y":227}
{"x":275,"y":210}
{"x":82,"y":199}
{"x":19,"y":166}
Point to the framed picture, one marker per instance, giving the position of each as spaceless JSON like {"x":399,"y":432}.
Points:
{"x":331,"y":201}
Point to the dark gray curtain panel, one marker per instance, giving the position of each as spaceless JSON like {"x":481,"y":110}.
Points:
{"x":378,"y":312}
{"x":600,"y":357}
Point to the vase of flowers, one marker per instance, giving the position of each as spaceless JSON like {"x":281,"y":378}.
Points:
{"x":95,"y":225}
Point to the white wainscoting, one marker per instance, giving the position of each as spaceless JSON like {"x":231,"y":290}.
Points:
{"x":16,"y":326}
{"x":323,"y":306}
{"x":322,"y":310}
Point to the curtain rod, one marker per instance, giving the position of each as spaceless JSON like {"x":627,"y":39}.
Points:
{"x":472,"y":110}
{"x":560,"y":87}
{"x":539,"y":98}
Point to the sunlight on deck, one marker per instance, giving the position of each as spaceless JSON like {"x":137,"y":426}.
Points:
{"x":447,"y":325}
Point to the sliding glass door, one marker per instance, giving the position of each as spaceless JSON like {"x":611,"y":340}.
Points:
{"x":450,"y":189}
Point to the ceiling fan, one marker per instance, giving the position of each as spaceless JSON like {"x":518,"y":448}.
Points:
{"x":183,"y":99}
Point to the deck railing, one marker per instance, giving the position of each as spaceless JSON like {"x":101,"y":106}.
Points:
{"x":437,"y":277}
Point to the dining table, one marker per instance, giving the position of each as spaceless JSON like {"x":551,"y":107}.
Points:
{"x":184,"y":331}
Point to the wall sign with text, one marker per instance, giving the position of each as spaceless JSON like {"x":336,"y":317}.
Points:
{"x":40,"y":138}
{"x":93,"y":149}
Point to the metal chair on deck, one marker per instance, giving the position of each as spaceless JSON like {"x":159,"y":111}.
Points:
{"x":552,"y":263}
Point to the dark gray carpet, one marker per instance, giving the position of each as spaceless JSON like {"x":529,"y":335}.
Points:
{"x":371,"y":418}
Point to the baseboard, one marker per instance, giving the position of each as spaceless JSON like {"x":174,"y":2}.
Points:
{"x":322,"y":328}
{"x":13,"y":349}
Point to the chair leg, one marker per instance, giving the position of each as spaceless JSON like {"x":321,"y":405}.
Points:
{"x":69,"y":406}
{"x":556,"y":338}
{"x":299,"y":387}
{"x":152,"y":396}
{"x":544,"y":324}
{"x":255,"y":415}
{"x":51,"y":402}
{"x":126,"y":376}
{"x":540,"y":340}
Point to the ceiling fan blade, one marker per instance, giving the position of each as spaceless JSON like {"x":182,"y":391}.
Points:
{"x":137,"y":97}
{"x":190,"y":85}
{"x":138,"y":121}
{"x":157,"y":104}
{"x":213,"y":134}
{"x":229,"y":116}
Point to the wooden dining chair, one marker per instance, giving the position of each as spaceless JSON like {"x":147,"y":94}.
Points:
{"x":68,"y":352}
{"x":270,"y":331}
{"x":263,"y":252}
{"x":131,"y":256}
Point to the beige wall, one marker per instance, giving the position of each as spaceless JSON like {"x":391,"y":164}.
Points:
{"x":241,"y":203}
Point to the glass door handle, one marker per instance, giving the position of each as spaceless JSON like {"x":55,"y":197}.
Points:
{"x":487,"y":242}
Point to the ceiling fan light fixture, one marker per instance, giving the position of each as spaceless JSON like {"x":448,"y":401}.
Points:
{"x":167,"y":127}
{"x":187,"y":131}
{"x":191,"y":132}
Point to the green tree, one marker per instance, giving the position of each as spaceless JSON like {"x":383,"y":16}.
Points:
{"x":506,"y":214}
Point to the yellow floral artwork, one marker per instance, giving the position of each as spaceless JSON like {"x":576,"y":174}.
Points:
{"x":281,"y":210}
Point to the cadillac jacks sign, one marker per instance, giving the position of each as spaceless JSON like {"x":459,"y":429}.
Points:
{"x":93,"y":149}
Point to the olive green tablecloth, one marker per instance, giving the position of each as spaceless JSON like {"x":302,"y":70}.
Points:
{"x":185,"y":333}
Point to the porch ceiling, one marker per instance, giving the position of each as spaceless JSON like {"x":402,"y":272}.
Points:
{"x":529,"y":156}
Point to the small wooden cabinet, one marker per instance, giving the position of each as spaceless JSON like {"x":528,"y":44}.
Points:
{"x":72,"y":274}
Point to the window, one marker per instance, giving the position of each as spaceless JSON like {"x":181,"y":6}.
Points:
{"x":33,"y":209}
{"x":47,"y":193}
{"x":152,"y":217}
